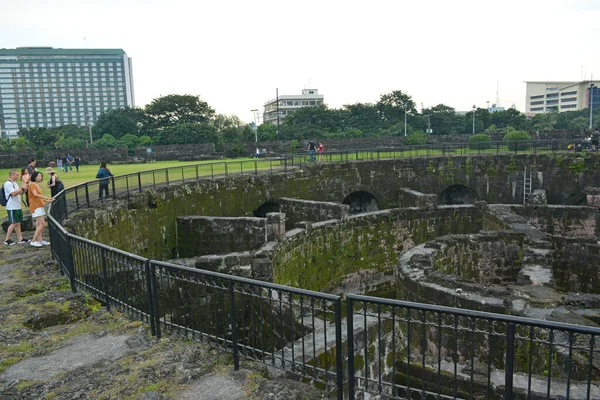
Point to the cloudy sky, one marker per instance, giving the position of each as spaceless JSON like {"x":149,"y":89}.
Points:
{"x":234,"y":53}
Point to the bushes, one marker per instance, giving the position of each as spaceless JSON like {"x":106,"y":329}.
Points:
{"x":517,"y":140}
{"x":416,"y":138}
{"x":481,"y":141}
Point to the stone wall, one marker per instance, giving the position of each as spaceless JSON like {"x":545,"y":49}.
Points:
{"x":488,"y":258}
{"x":110,"y":155}
{"x":200,"y":235}
{"x":190,"y":152}
{"x":318,"y":257}
{"x":412,"y":198}
{"x":297,"y":210}
{"x":15,"y":160}
{"x":570,"y":221}
{"x":496,"y":179}
{"x":576,"y":265}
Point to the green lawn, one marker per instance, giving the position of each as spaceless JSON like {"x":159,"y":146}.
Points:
{"x":177,"y":170}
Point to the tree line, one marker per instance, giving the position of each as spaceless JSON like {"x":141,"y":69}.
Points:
{"x":184,"y":119}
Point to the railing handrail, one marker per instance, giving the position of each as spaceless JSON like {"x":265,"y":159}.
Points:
{"x":465,"y":312}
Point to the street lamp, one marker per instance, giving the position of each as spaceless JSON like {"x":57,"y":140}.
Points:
{"x":592,"y":87}
{"x":474,"y":109}
{"x":255,"y":126}
{"x":405,"y":120}
{"x":89,"y":116}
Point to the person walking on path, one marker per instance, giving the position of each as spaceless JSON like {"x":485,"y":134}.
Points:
{"x":312,"y":147}
{"x":70,"y":161}
{"x":77,"y":161}
{"x":12,"y":193}
{"x":321,"y":150}
{"x":65,"y":163}
{"x":103,"y":174}
{"x":36,"y":206}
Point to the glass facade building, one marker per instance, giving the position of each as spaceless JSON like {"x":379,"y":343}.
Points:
{"x":47,"y":87}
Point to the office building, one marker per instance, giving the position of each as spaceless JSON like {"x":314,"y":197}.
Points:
{"x":290,"y":103}
{"x":48,"y":87}
{"x":560,"y":96}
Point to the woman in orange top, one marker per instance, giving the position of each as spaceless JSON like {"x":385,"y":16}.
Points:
{"x":36,"y":206}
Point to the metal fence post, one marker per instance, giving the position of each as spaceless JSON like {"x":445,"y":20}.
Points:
{"x":154,"y":293}
{"x":234,"y":336}
{"x":70,"y":263}
{"x":510,"y":355}
{"x":139,"y":182}
{"x":350,"y":343}
{"x":338,"y":350}
{"x":87,"y":194}
{"x":105,"y":278}
{"x":150,"y":297}
{"x":112,"y":178}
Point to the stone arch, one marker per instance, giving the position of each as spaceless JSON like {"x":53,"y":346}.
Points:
{"x":457,"y":194}
{"x":361,"y":201}
{"x":266,"y":207}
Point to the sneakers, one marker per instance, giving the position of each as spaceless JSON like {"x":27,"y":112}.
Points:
{"x":23,"y":241}
{"x":9,"y":242}
{"x":44,"y":243}
{"x":35,"y":244}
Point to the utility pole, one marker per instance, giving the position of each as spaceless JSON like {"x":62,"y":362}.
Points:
{"x":405,"y":120}
{"x":277,"y":101}
{"x":592,"y":87}
{"x":89,"y":116}
{"x":254,"y":112}
{"x":474,"y":109}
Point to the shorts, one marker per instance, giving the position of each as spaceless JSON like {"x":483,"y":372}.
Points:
{"x":594,"y":143}
{"x":39,"y":212}
{"x":15,"y":216}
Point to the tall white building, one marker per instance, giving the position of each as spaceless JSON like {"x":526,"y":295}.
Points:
{"x":290,"y":103}
{"x":560,"y":96}
{"x":47,"y":87}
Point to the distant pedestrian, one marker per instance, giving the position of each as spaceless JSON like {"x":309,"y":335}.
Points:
{"x":103,"y":174}
{"x":595,"y":140}
{"x":312,"y":148}
{"x":31,"y":166}
{"x":257,"y":153}
{"x":12,"y":193}
{"x":321,"y":150}
{"x":65,"y":163}
{"x":59,"y":163}
{"x":36,"y":207}
{"x":70,"y":161}
{"x":77,"y":162}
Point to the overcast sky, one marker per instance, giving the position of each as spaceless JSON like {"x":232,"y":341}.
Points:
{"x":235,"y":53}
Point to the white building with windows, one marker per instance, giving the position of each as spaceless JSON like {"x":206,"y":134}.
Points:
{"x":48,"y":87}
{"x":558,"y":96}
{"x":290,"y":103}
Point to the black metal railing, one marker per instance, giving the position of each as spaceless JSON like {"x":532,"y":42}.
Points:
{"x":391,"y":348}
{"x":437,"y":149}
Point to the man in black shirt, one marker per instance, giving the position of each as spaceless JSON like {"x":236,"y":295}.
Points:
{"x":312,"y":148}
{"x":595,"y":139}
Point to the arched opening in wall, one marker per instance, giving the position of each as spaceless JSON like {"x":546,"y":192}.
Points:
{"x":361,"y":201}
{"x":266,"y":207}
{"x":457,"y":194}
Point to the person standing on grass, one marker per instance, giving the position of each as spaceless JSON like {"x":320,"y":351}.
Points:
{"x":25,"y":179}
{"x":31,"y":167}
{"x":36,"y":206}
{"x":103,"y":174}
{"x":321,"y":150}
{"x":312,"y":147}
{"x":12,"y":193}
{"x":77,"y":161}
{"x":54,"y":183}
{"x":65,"y":163}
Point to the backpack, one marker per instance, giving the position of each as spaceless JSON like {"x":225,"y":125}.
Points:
{"x":3,"y":199}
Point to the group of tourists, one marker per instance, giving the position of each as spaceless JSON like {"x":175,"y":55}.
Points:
{"x":66,"y":162}
{"x":27,"y":191}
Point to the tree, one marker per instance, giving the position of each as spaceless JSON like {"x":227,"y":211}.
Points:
{"x":40,"y":138}
{"x":544,"y":121}
{"x":444,"y":120}
{"x":145,"y":140}
{"x":66,"y":142}
{"x":392,"y":106}
{"x":120,"y":122}
{"x":229,"y":127}
{"x":267,"y":132}
{"x":510,"y":117}
{"x":364,"y":117}
{"x":106,"y":141}
{"x":20,"y":144}
{"x":188,"y":133}
{"x":177,"y":109}
{"x":130,"y":141}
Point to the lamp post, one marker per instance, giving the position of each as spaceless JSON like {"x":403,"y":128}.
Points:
{"x":592,"y":87}
{"x":474,"y":109}
{"x":89,"y":118}
{"x":405,"y":120}
{"x":255,"y":126}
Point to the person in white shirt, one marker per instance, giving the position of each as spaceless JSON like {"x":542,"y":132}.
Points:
{"x":12,"y":193}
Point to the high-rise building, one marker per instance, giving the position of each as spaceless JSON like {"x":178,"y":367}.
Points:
{"x":560,"y":96}
{"x":290,"y":103}
{"x":48,"y":87}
